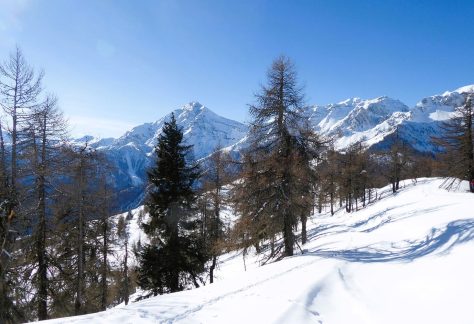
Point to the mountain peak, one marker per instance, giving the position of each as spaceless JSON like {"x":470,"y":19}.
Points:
{"x":193,"y":106}
{"x":465,"y":89}
{"x":468,"y":88}
{"x":349,"y":101}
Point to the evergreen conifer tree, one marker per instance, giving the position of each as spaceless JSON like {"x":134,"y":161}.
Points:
{"x":175,"y":257}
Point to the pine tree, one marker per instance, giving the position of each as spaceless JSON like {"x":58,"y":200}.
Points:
{"x":175,"y":258}
{"x":275,"y":186}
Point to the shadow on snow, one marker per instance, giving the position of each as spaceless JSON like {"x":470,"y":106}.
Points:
{"x":440,"y":240}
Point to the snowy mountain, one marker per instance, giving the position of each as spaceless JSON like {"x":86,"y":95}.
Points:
{"x":356,"y":120}
{"x":132,"y":153}
{"x":373,"y":122}
{"x":405,"y":258}
{"x":426,"y":117}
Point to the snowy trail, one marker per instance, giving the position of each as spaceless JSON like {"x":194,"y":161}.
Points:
{"x":243,"y":290}
{"x":407,"y":258}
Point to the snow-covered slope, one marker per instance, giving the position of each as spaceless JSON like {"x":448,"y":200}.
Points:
{"x":406,"y":258}
{"x":440,"y":107}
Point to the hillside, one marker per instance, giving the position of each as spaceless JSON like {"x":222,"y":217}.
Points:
{"x":406,"y":258}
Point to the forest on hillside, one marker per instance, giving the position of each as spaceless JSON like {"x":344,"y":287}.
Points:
{"x":59,"y":246}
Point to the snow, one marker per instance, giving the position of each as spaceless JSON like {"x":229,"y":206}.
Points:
{"x":372,"y":121}
{"x":406,"y":258}
{"x":358,"y":120}
{"x":464,"y":89}
{"x":440,"y":107}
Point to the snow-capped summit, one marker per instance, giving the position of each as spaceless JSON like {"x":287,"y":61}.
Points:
{"x":193,"y":106}
{"x":132,"y":153}
{"x":201,"y":127}
{"x":356,"y":119}
{"x":375,"y":121}
{"x":440,"y":107}
{"x":465,"y":89}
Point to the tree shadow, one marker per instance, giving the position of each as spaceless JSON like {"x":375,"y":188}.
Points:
{"x":394,"y":219}
{"x":329,"y":229}
{"x":323,"y":230}
{"x":440,"y":240}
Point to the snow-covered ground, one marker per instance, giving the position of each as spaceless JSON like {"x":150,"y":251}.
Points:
{"x":407,"y":258}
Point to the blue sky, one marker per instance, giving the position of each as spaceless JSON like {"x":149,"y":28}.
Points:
{"x":117,"y":63}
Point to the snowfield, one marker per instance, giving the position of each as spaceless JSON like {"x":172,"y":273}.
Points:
{"x":406,"y":258}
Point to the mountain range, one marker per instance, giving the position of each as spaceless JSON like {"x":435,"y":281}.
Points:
{"x":373,"y":122}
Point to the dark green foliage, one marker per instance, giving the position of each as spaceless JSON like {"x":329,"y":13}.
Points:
{"x":175,"y":258}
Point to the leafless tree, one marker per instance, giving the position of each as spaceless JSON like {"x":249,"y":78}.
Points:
{"x":457,"y":141}
{"x":272,"y":193}
{"x":214,"y":198}
{"x":20,"y":88}
{"x":47,"y":131}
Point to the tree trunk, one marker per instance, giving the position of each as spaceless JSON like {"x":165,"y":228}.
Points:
{"x":211,"y":269}
{"x":41,"y":254}
{"x":470,"y":148}
{"x":304,"y":219}
{"x":3,"y":297}
{"x":363,"y":198}
{"x":174,"y":275}
{"x":288,"y":235}
{"x":332,"y":203}
{"x":272,"y":245}
{"x":14,"y":147}
{"x":78,"y":304}
{"x":103,"y":283}
{"x":41,"y":234}
{"x":127,"y":288}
